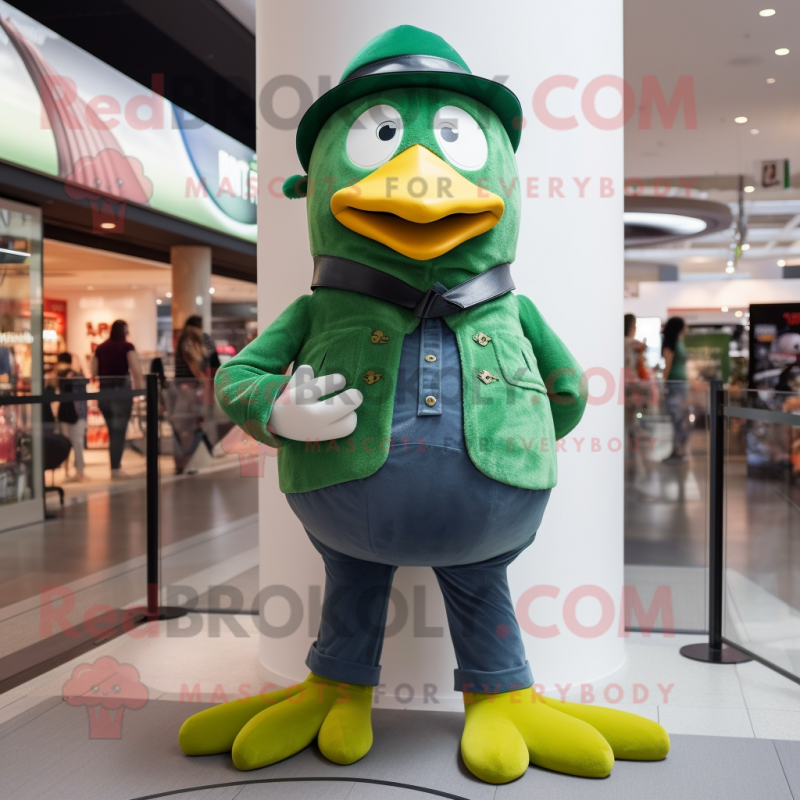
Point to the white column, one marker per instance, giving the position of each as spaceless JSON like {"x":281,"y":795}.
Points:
{"x":191,"y":280}
{"x":569,"y":262}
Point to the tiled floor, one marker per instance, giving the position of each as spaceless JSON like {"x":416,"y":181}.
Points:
{"x":722,"y":720}
{"x":687,"y":697}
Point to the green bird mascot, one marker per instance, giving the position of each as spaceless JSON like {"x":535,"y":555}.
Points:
{"x":405,"y":429}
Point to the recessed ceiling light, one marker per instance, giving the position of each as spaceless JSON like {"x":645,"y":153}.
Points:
{"x":754,"y":131}
{"x":766,"y":12}
{"x":740,"y":120}
{"x":749,"y":189}
{"x":770,"y":80}
{"x":745,"y":246}
{"x":158,"y":301}
{"x":211,"y":290}
{"x":729,"y":270}
{"x":781,"y":263}
{"x":782,"y":51}
{"x":737,"y":314}
{"x":169,"y":294}
{"x":109,"y":226}
{"x":730,"y":264}
{"x":724,"y":308}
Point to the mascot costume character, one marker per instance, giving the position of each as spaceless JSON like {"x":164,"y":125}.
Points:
{"x":417,"y":375}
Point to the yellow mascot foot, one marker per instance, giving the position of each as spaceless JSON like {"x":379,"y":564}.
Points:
{"x":503,"y":733}
{"x":263,"y":730}
{"x":632,"y":738}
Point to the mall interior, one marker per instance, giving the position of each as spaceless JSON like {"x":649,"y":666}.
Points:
{"x":161,"y":604}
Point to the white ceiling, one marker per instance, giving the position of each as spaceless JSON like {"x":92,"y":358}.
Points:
{"x":729,"y":50}
{"x":73,"y":268}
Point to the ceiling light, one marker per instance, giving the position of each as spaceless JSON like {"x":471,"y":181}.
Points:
{"x":211,"y":290}
{"x":740,"y":120}
{"x":754,"y":131}
{"x":169,"y":294}
{"x":14,"y":252}
{"x":745,"y":246}
{"x":158,"y":301}
{"x":781,"y":263}
{"x":749,"y":189}
{"x":770,"y":80}
{"x":730,"y":263}
{"x":782,"y":51}
{"x":766,"y":12}
{"x":730,"y":268}
{"x":198,"y":301}
{"x":724,"y":308}
{"x":737,"y":314}
{"x":109,"y":226}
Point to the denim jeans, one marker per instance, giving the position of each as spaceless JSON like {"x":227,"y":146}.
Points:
{"x":117,"y":413}
{"x":427,"y":506}
{"x":483,"y":626}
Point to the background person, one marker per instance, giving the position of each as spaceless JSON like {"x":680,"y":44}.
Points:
{"x":116,"y":365}
{"x":210,"y":358}
{"x":634,"y":371}
{"x":72,"y":415}
{"x":186,"y":398}
{"x":676,"y":386}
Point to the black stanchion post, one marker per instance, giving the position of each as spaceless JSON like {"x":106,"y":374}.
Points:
{"x":154,"y":608}
{"x":153,"y":516}
{"x":715,"y":651}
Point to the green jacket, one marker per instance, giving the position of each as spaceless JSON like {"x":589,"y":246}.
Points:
{"x":511,"y":424}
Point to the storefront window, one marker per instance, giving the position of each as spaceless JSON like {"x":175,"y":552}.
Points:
{"x":20,"y":364}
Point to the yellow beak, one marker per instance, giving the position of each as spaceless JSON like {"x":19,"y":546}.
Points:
{"x":418,"y":205}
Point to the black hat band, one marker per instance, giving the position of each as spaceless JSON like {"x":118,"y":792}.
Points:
{"x":410,"y":63}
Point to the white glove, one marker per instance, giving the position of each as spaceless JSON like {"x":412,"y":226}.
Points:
{"x":298,"y":413}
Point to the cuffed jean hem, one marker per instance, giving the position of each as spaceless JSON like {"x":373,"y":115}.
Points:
{"x":337,"y":669}
{"x":505,"y":680}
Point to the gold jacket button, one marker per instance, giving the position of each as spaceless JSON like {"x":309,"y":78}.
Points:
{"x":372,"y":377}
{"x":430,"y":357}
{"x":487,"y":377}
{"x":430,"y":400}
{"x":378,"y":337}
{"x":481,"y":338}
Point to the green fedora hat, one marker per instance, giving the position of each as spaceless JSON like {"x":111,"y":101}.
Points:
{"x":404,"y":57}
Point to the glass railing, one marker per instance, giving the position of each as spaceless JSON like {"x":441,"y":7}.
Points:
{"x":89,"y":560}
{"x":666,"y":501}
{"x":761,"y":612}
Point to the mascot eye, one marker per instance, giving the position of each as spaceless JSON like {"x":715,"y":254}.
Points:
{"x":95,"y":689}
{"x":120,"y":182}
{"x":97,"y":182}
{"x":460,"y":137}
{"x":374,"y":136}
{"x":116,"y":688}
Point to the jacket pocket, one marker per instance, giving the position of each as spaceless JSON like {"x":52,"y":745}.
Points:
{"x":518,"y":363}
{"x":339,"y":351}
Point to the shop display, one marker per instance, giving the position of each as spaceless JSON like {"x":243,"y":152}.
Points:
{"x":775,"y":346}
{"x":775,"y":373}
{"x":415,"y":457}
{"x":20,"y":363}
{"x":707,"y":356}
{"x":54,"y":334}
